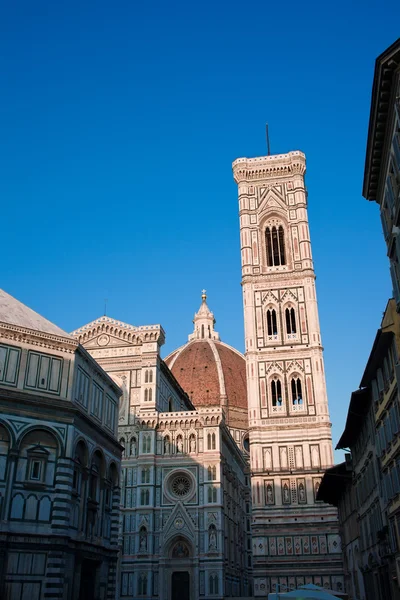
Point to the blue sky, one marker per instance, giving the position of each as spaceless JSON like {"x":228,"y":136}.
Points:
{"x":119,"y":123}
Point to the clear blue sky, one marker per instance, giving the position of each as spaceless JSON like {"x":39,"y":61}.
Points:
{"x":119,"y":123}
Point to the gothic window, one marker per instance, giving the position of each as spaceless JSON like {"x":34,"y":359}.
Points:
{"x":144,"y":497}
{"x":276,"y":392}
{"x":202,"y":331}
{"x":297,"y":397}
{"x":146,"y":377}
{"x":272,"y":327}
{"x":146,"y":475}
{"x":150,"y":376}
{"x":275,"y":246}
{"x":290,"y":321}
{"x":150,"y":394}
{"x":146,"y":444}
{"x":212,"y":473}
{"x":212,"y":494}
{"x":213,"y":584}
{"x":142,"y":584}
{"x":211,"y":441}
{"x":146,"y":394}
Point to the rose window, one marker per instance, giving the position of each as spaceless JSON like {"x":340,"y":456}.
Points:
{"x":181,"y":485}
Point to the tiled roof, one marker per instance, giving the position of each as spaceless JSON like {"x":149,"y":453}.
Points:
{"x":207,"y":383}
{"x":13,"y":312}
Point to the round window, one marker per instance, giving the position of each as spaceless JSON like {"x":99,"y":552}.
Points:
{"x":180,"y":485}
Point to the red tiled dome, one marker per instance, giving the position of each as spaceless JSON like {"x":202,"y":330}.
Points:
{"x":211,"y":372}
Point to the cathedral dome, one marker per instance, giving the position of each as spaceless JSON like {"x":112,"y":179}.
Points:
{"x":211,"y":372}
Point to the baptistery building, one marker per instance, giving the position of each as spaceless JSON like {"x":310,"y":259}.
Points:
{"x":186,"y":495}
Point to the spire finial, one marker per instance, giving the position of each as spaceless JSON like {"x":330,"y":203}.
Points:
{"x":204,"y":321}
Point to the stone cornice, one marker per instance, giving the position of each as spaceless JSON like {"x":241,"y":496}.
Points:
{"x":47,"y":341}
{"x":266,"y":167}
{"x":260,"y":278}
{"x":135,"y":335}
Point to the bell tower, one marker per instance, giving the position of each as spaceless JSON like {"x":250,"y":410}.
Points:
{"x":289,"y":425}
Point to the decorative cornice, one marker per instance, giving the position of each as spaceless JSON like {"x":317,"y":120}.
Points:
{"x":130,"y":333}
{"x":48,"y":341}
{"x":266,"y":167}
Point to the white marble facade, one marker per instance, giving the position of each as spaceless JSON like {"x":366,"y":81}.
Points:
{"x":59,"y":464}
{"x":295,"y":538}
{"x":185,"y":490}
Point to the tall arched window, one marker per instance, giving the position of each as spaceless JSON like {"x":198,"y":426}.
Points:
{"x":150,"y":376}
{"x":275,"y":246}
{"x":213,"y":583}
{"x":276,"y":392}
{"x":146,"y":395}
{"x":209,"y":473}
{"x":142,"y":584}
{"x":272,"y":327}
{"x":146,"y":475}
{"x":290,"y":320}
{"x":146,"y":377}
{"x":297,"y":397}
{"x":213,"y":441}
{"x":150,"y":395}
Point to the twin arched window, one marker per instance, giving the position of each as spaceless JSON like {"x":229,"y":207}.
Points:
{"x":142,"y":584}
{"x":146,"y":444}
{"x":213,"y":584}
{"x":290,"y":320}
{"x":212,"y":473}
{"x":276,"y":392}
{"x":148,"y":376}
{"x":211,"y":441}
{"x":272,"y":326}
{"x":146,"y":475}
{"x":212,"y":494}
{"x":275,"y":245}
{"x":144,"y":497}
{"x":148,"y":395}
{"x":297,"y":396}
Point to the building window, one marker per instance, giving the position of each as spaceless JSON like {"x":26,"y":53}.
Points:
{"x":297,"y":398}
{"x":212,"y":495}
{"x":146,"y":475}
{"x":146,"y":444}
{"x":211,"y":441}
{"x":150,"y":395}
{"x":146,"y":395}
{"x":272,"y":327}
{"x":290,"y":321}
{"x":276,"y":392}
{"x":145,"y":497}
{"x":212,"y":473}
{"x":213,"y":584}
{"x":36,"y":470}
{"x":142,"y":584}
{"x":275,"y":246}
{"x":146,"y":377}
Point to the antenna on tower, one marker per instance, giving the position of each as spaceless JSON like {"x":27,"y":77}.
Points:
{"x":267,"y":134}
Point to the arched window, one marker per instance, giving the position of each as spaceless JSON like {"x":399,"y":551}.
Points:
{"x":146,"y":377}
{"x":275,"y":246}
{"x":144,"y":497}
{"x":142,"y":584}
{"x":209,"y":472}
{"x":213,"y":584}
{"x":297,"y":398}
{"x":272,"y":327}
{"x":146,"y":444}
{"x":213,"y":441}
{"x":145,"y":475}
{"x":290,"y":320}
{"x":276,"y":392}
{"x":202,"y":331}
{"x":212,"y":494}
{"x":214,"y":472}
{"x":150,"y":376}
{"x":150,"y":395}
{"x":146,"y":394}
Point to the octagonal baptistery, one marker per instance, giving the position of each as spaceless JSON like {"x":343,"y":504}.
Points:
{"x":212,"y":373}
